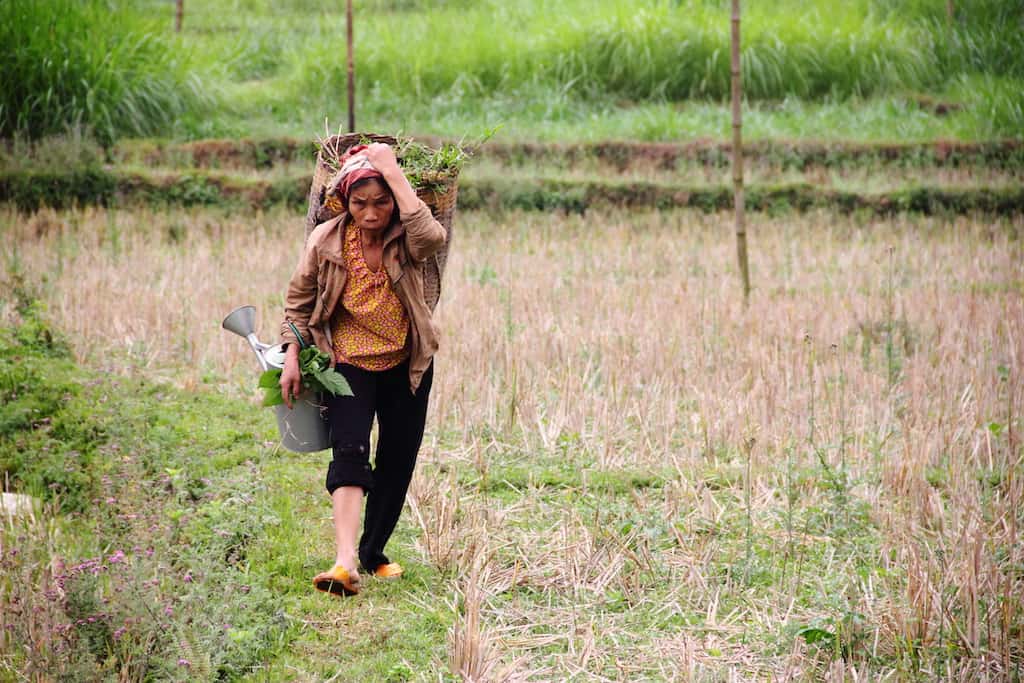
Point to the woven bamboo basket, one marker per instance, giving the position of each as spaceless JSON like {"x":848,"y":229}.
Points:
{"x":438,"y":191}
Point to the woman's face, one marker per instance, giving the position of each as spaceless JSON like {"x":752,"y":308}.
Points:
{"x":371,"y":205}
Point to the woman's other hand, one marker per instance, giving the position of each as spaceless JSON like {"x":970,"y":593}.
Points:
{"x":382,"y":158}
{"x":291,"y":376}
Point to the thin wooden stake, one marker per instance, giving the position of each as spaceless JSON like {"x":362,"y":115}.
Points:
{"x":179,"y":15}
{"x":737,"y":154}
{"x":351,"y":70}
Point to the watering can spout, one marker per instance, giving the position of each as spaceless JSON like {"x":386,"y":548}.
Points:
{"x":242,"y":321}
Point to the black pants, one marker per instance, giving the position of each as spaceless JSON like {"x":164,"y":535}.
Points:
{"x":401,"y":416}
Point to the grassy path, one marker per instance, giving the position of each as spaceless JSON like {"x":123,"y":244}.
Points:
{"x":569,"y":563}
{"x":386,"y":633}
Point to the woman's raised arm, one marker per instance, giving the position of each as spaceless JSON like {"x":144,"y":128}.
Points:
{"x":424,"y":234}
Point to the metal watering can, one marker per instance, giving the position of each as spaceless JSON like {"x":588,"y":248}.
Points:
{"x":304,"y":427}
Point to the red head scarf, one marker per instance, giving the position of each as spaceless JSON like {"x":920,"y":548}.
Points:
{"x":354,"y":167}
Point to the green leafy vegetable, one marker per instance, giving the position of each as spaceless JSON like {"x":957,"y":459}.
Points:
{"x":317,"y":376}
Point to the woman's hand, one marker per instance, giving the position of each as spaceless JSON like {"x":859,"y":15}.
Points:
{"x":382,"y":158}
{"x":291,"y":376}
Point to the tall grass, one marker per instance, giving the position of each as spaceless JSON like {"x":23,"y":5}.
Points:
{"x":665,"y":50}
{"x":68,"y":63}
{"x":999,"y":104}
{"x":439,"y":67}
{"x":985,"y":35}
{"x":657,"y":51}
{"x":587,"y":69}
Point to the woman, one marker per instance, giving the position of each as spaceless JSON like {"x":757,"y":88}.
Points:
{"x":358,"y":294}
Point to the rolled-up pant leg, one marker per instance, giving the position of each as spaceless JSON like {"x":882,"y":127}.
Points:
{"x":351,"y":418}
{"x":401,"y":416}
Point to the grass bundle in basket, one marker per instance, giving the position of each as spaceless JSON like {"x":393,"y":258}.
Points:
{"x":426,"y":168}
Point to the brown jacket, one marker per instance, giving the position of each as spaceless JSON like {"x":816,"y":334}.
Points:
{"x":314,"y":292}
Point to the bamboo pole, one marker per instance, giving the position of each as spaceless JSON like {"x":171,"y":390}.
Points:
{"x":950,"y":11}
{"x":179,"y":15}
{"x":737,"y":153}
{"x":351,"y":69}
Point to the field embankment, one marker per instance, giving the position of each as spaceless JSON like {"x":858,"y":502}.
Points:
{"x":943,"y":177}
{"x":627,"y":474}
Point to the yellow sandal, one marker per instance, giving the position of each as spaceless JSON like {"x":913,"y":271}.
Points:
{"x":392,"y":570}
{"x":337,"y":581}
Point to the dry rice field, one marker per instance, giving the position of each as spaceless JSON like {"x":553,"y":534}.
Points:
{"x":628,"y":473}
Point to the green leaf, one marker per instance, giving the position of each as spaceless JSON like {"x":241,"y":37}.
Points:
{"x":816,"y":635}
{"x":270,"y":379}
{"x":317,"y":376}
{"x":334,"y":382}
{"x":313,"y":360}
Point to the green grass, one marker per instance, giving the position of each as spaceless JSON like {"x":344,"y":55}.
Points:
{"x":164,"y":504}
{"x":590,"y":71}
{"x":620,"y":51}
{"x":197,"y":529}
{"x":550,"y":115}
{"x":70,"y":63}
{"x":671,"y":50}
{"x":609,"y":70}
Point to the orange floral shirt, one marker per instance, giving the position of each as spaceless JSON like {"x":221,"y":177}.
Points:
{"x":371,"y":329}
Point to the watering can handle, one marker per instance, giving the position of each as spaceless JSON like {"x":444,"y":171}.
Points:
{"x":295,"y":331}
